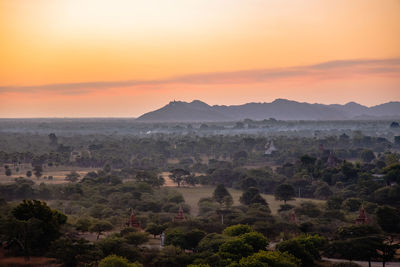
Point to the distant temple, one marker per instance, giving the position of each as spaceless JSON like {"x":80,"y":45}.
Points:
{"x":331,"y":160}
{"x":132,"y":221}
{"x":362,"y":217}
{"x":269,"y":149}
{"x":293,"y":218}
{"x":180,"y":217}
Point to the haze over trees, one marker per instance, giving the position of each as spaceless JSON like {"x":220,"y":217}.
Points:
{"x":211,"y":192}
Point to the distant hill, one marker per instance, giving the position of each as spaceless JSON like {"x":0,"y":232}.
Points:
{"x":280,"y":109}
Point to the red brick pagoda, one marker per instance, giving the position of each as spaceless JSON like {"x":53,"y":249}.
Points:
{"x":180,"y":217}
{"x":132,"y":222}
{"x":293,"y":218}
{"x":362,"y":217}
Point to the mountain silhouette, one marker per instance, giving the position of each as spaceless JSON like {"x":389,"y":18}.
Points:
{"x":280,"y":109}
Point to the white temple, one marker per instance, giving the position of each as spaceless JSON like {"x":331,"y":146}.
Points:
{"x":269,"y":149}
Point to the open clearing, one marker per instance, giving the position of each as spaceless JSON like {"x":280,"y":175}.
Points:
{"x":193,"y":194}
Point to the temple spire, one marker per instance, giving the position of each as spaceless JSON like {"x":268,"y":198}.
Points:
{"x":362,"y":217}
{"x":180,"y":216}
{"x":132,"y":221}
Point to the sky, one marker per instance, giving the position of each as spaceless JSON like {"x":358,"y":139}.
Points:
{"x":122,"y":58}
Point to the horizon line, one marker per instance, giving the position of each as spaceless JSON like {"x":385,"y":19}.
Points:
{"x":132,"y":117}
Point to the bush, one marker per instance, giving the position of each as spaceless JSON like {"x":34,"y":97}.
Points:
{"x":211,"y":242}
{"x":298,"y":250}
{"x":285,"y":207}
{"x":352,"y":204}
{"x":309,"y":209}
{"x":235,"y":248}
{"x":237,"y":230}
{"x":271,"y":259}
{"x":117,"y":261}
{"x":136,"y":238}
{"x":256,"y":240}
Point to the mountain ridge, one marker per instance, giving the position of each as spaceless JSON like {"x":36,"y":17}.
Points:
{"x":281,"y":109}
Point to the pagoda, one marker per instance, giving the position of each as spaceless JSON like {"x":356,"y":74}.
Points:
{"x":269,"y":149}
{"x":331,"y":160}
{"x":180,"y":217}
{"x":132,"y":222}
{"x":293,"y":218}
{"x":362,"y":217}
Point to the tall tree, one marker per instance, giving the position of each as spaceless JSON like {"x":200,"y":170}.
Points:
{"x":284,"y":192}
{"x":178,"y":175}
{"x":220,"y":194}
{"x":252,"y":196}
{"x":72,"y":176}
{"x":100,"y":227}
{"x":224,"y":198}
{"x":38,"y":171}
{"x":33,"y":226}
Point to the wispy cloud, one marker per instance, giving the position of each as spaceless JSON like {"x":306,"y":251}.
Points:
{"x":346,"y":67}
{"x":353,"y":63}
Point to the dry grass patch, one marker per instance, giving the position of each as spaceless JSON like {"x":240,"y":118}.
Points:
{"x":193,"y":194}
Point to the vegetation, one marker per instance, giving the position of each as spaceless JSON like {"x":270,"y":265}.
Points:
{"x":212,"y":196}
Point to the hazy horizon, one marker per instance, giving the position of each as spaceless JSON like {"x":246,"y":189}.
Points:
{"x":178,"y":100}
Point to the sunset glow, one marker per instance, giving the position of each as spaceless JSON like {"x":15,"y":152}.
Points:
{"x":98,"y":58}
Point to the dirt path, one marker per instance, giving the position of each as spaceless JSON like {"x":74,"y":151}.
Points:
{"x":365,"y":263}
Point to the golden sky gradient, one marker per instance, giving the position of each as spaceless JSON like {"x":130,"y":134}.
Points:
{"x":84,"y":58}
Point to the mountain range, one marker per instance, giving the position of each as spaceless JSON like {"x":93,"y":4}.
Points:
{"x":280,"y":109}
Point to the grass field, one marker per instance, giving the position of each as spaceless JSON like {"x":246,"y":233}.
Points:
{"x":193,"y":194}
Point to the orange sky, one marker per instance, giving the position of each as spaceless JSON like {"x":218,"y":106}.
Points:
{"x":84,"y":58}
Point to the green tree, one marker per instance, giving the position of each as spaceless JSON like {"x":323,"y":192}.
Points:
{"x":334,"y":202}
{"x":83,"y":224}
{"x":388,"y":218}
{"x":313,"y":244}
{"x":178,"y":175}
{"x":392,"y":173}
{"x":184,"y":239}
{"x":358,"y":248}
{"x":101,"y":226}
{"x":107,"y":168}
{"x":270,"y":259}
{"x":252,"y":196}
{"x":72,"y":176}
{"x":150,"y":178}
{"x":211,"y":242}
{"x":38,"y":171}
{"x":33,"y":226}
{"x":298,"y":250}
{"x":193,"y":238}
{"x":256,"y":240}
{"x":117,"y":261}
{"x":220,"y":194}
{"x":284,"y":192}
{"x":224,"y":198}
{"x":352,"y":204}
{"x":237,"y":230}
{"x":28,"y":174}
{"x":235,"y":248}
{"x":136,"y":238}
{"x":74,"y":252}
{"x":8,"y":172}
{"x":155,"y":229}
